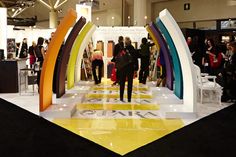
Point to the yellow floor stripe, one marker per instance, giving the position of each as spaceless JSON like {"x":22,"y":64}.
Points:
{"x":115,"y":96}
{"x":116,"y":88}
{"x":118,"y":106}
{"x":119,"y":135}
{"x":109,"y":82}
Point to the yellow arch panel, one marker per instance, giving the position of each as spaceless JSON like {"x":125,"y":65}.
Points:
{"x":80,"y":55}
{"x":74,"y":54}
{"x":46,"y":80}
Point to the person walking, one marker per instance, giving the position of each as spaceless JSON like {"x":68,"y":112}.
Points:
{"x":97,"y":61}
{"x":128,"y":71}
{"x":118,"y":47}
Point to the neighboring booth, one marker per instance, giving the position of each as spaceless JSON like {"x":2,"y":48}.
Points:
{"x":10,"y":81}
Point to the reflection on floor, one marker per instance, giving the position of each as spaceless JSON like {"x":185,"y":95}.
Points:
{"x":118,"y":126}
{"x":121,"y":135}
{"x":101,"y":117}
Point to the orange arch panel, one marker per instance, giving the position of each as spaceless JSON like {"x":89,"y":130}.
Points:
{"x":46,"y":79}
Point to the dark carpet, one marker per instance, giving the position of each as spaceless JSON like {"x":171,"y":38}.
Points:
{"x":23,"y":134}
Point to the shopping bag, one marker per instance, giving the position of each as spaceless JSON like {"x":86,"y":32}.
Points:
{"x":123,"y":59}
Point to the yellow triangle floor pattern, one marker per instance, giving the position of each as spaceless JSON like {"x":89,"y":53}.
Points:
{"x":120,"y":127}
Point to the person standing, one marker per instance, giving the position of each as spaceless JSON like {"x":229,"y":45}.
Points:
{"x":210,"y":50}
{"x":128,"y":71}
{"x":229,"y":76}
{"x":24,"y":49}
{"x":145,"y":60}
{"x":118,"y":47}
{"x":39,"y":52}
{"x":97,"y":61}
{"x":32,"y":49}
{"x":17,"y":49}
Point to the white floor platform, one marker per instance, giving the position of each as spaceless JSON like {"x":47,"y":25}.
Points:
{"x":165,"y":98}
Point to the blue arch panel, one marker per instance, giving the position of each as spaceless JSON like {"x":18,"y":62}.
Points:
{"x":178,"y":86}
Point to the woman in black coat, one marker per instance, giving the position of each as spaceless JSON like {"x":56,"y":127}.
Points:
{"x":128,"y":71}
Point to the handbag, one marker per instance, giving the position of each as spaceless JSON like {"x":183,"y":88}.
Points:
{"x":37,"y":66}
{"x":215,"y":61}
{"x":123,"y":59}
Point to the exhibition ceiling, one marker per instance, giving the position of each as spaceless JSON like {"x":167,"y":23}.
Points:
{"x":32,"y":8}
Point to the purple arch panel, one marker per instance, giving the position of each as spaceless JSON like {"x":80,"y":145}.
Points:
{"x":166,"y":54}
{"x":64,"y":58}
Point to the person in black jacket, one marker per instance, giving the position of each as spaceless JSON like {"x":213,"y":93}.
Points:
{"x":229,"y":76}
{"x":118,"y":47}
{"x":145,"y":60}
{"x":24,"y":49}
{"x":128,"y":71}
{"x":39,"y":52}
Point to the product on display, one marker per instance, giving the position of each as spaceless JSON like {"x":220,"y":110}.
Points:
{"x":110,"y":47}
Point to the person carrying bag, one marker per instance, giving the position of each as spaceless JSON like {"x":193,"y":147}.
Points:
{"x":123,"y":59}
{"x":125,"y":62}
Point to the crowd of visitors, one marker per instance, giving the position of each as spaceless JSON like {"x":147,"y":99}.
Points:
{"x":217,"y":60}
{"x":212,"y":59}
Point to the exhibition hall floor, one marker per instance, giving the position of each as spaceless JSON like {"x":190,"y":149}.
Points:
{"x":119,"y":126}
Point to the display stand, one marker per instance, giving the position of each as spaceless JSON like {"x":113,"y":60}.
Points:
{"x":10,"y":72}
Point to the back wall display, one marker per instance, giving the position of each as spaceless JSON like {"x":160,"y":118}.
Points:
{"x":107,"y":34}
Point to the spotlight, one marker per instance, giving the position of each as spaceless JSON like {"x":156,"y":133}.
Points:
{"x":13,"y":9}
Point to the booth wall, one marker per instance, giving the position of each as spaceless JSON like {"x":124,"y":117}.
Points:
{"x":3,"y":30}
{"x":199,"y":10}
{"x":30,"y":34}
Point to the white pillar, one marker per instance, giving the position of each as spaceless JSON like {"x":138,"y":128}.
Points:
{"x":53,"y":17}
{"x":140,"y":11}
{"x":3,"y":30}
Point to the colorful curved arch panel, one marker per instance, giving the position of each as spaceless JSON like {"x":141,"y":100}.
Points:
{"x":189,"y":76}
{"x":156,"y":35}
{"x":74,"y":54}
{"x":46,"y":79}
{"x":178,"y":90}
{"x":84,"y":44}
{"x":64,"y":58}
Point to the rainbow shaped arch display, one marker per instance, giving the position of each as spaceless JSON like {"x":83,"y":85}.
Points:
{"x":46,"y":78}
{"x":168,"y":34}
{"x":187,"y":67}
{"x":74,"y":54}
{"x":81,"y":50}
{"x":158,"y":39}
{"x":64,"y":58}
{"x":165,"y":33}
